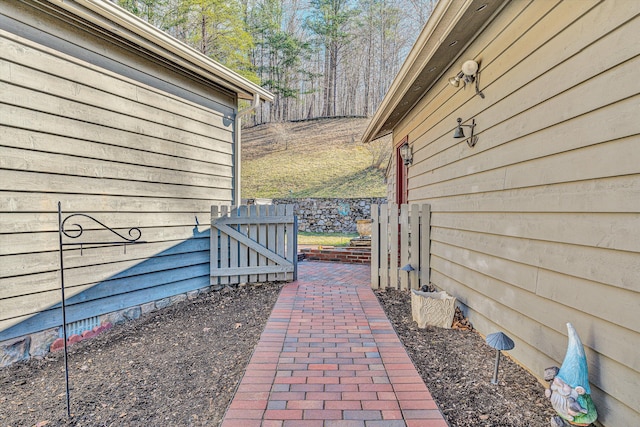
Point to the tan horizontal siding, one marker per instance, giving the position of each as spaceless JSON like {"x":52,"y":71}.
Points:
{"x":500,"y":144}
{"x":46,"y":203}
{"x":51,"y":124}
{"x":103,"y":144}
{"x":114,"y":168}
{"x":200,"y":160}
{"x":551,"y":270}
{"x":45,"y":103}
{"x":18,"y":180}
{"x":538,"y":224}
{"x":76,"y":75}
{"x":601,"y":230}
{"x":611,"y":195}
{"x":36,"y":80}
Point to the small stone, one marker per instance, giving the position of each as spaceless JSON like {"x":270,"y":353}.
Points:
{"x":165,"y":302}
{"x":192,"y":295}
{"x":550,"y":373}
{"x":132,"y":313}
{"x":177,"y":298}
{"x":148,"y":307}
{"x":14,"y":351}
{"x":42,"y":341}
{"x":115,"y":317}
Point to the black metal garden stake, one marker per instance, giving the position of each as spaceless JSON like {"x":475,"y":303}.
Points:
{"x":134,"y":234}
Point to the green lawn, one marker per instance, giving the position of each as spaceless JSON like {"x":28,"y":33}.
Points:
{"x":325,"y":239}
{"x":314,"y":159}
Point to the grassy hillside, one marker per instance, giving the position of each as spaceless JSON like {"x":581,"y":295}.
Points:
{"x":318,"y":158}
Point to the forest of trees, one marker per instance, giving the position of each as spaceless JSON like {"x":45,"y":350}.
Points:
{"x":321,"y":58}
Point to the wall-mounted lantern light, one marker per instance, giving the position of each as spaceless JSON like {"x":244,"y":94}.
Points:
{"x":459,"y":133}
{"x":468,"y":74}
{"x":406,"y":154}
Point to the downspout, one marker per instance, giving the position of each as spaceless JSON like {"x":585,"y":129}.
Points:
{"x":237,"y":142}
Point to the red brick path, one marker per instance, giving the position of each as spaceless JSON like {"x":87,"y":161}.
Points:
{"x":329,"y":357}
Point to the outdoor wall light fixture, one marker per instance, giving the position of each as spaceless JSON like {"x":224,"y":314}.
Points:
{"x":459,"y":133}
{"x":406,"y":154}
{"x":455,"y":80}
{"x":468,"y":74}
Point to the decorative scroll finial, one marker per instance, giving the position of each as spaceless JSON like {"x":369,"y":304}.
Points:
{"x":75,"y":233}
{"x":134,"y":232}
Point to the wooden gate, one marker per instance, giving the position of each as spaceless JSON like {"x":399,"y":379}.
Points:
{"x":251,"y":244}
{"x":400,"y":237}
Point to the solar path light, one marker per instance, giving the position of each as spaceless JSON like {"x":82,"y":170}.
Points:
{"x":499,"y":341}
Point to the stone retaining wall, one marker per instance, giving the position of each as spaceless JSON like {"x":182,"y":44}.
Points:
{"x":319,"y":215}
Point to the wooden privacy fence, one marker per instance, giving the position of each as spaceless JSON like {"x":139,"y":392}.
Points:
{"x":252,"y":244}
{"x":400,"y":237}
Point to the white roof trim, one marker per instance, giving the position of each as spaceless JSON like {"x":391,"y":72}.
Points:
{"x":406,"y":74}
{"x":447,"y":18}
{"x":114,"y":19}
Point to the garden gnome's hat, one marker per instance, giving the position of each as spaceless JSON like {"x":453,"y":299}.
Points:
{"x":574,"y":369}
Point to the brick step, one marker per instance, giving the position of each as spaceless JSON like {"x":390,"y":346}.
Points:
{"x":348,"y":255}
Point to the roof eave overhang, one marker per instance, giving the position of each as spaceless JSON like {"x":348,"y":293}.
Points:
{"x":452,"y":26}
{"x":119,"y":21}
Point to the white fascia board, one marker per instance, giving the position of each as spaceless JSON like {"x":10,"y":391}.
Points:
{"x":420,"y":54}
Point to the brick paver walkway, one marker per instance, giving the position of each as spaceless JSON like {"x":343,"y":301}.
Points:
{"x":329,"y":357}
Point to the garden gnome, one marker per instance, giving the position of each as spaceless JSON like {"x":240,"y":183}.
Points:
{"x":569,"y":391}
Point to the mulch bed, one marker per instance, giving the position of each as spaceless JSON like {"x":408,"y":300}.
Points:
{"x":457,"y":366}
{"x":181,"y":365}
{"x":178,"y":366}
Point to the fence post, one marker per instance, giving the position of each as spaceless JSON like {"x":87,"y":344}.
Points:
{"x":425,"y":245}
{"x":234,"y":262}
{"x":392,"y":235}
{"x":253,"y":235}
{"x":376,"y":250}
{"x":415,"y":246}
{"x":214,"y":250}
{"x":294,"y":240}
{"x":383,"y":272}
{"x":243,"y":250}
{"x":404,"y":245}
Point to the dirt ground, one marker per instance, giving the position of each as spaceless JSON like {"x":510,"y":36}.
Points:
{"x":180,"y":366}
{"x":458,"y":365}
